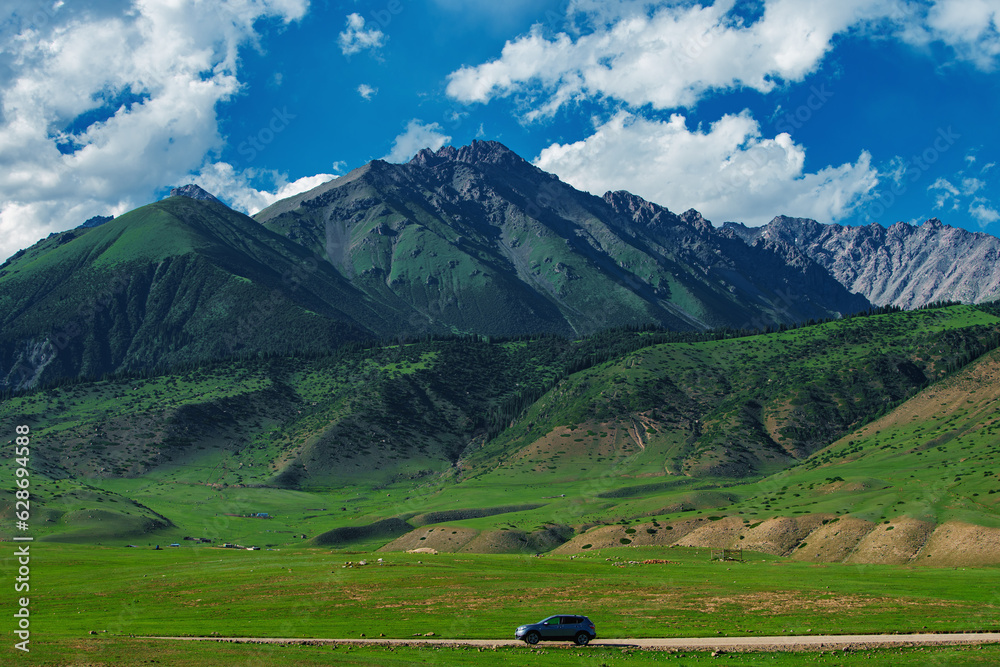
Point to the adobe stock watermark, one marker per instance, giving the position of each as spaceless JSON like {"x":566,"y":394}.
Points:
{"x":22,"y":555}
{"x":385,"y":16}
{"x":265,"y":136}
{"x":911,"y":171}
{"x":557,"y":18}
{"x":41,"y":17}
{"x":338,"y":245}
{"x":549,"y":195}
{"x":757,"y":158}
{"x":692,"y":48}
{"x":366,"y":34}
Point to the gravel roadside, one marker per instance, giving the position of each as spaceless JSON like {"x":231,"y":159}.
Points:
{"x":775,"y":643}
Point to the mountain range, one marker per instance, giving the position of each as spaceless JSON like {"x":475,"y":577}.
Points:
{"x":903,"y":265}
{"x":470,"y":240}
{"x":476,"y":239}
{"x":463,"y":352}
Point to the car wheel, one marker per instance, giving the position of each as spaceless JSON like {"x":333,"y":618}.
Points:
{"x":582,"y":639}
{"x":531,"y":638}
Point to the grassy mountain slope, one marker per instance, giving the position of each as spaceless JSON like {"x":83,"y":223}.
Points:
{"x":172,"y":282}
{"x":477,"y":240}
{"x":736,"y":407}
{"x":919,"y":485}
{"x":932,"y":459}
{"x":315,"y":421}
{"x":471,"y":241}
{"x":367,"y":414}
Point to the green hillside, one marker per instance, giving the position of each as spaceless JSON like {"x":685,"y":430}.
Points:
{"x":919,"y":485}
{"x":934,"y":458}
{"x":178,"y":281}
{"x":533,"y":443}
{"x":740,"y":407}
{"x":366,"y":412}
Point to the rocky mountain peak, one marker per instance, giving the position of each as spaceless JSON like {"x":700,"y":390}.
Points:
{"x":696,"y":220}
{"x":653,"y":216}
{"x":741,"y":231}
{"x":478,"y":152}
{"x":787,"y":224}
{"x":904,"y":265}
{"x":193,"y":191}
{"x":429,"y":158}
{"x":626,"y":202}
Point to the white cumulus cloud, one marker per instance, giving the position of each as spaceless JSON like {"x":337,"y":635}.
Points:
{"x":230,"y":185}
{"x":964,"y":192}
{"x":418,"y":135}
{"x":98,"y":111}
{"x":970,"y":27}
{"x":727,"y":172}
{"x":670,"y":55}
{"x":984,"y":213}
{"x":668,"y":58}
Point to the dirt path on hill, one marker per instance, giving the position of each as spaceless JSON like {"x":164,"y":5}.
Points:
{"x":774,"y":643}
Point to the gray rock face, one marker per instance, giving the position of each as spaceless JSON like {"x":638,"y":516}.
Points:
{"x":903,"y":265}
{"x":476,"y":153}
{"x":193,"y":191}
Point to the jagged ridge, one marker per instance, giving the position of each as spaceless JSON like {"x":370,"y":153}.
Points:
{"x":904,"y":265}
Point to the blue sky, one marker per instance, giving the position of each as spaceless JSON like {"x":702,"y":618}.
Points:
{"x":851,"y":111}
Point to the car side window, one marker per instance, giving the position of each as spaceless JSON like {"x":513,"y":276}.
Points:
{"x":570,"y":620}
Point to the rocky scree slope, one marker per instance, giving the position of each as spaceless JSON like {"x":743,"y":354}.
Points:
{"x":904,"y":265}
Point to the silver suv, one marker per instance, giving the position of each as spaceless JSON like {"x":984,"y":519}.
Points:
{"x":554,"y":628}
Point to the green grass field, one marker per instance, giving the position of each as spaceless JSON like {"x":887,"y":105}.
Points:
{"x":313,"y":593}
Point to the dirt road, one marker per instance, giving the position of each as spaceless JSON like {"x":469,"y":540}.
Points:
{"x":776,"y":643}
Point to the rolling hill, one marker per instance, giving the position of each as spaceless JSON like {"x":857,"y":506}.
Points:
{"x":539,"y":442}
{"x":919,"y":485}
{"x":733,"y":408}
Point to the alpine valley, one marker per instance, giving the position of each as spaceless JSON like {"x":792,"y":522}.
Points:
{"x":463,"y":353}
